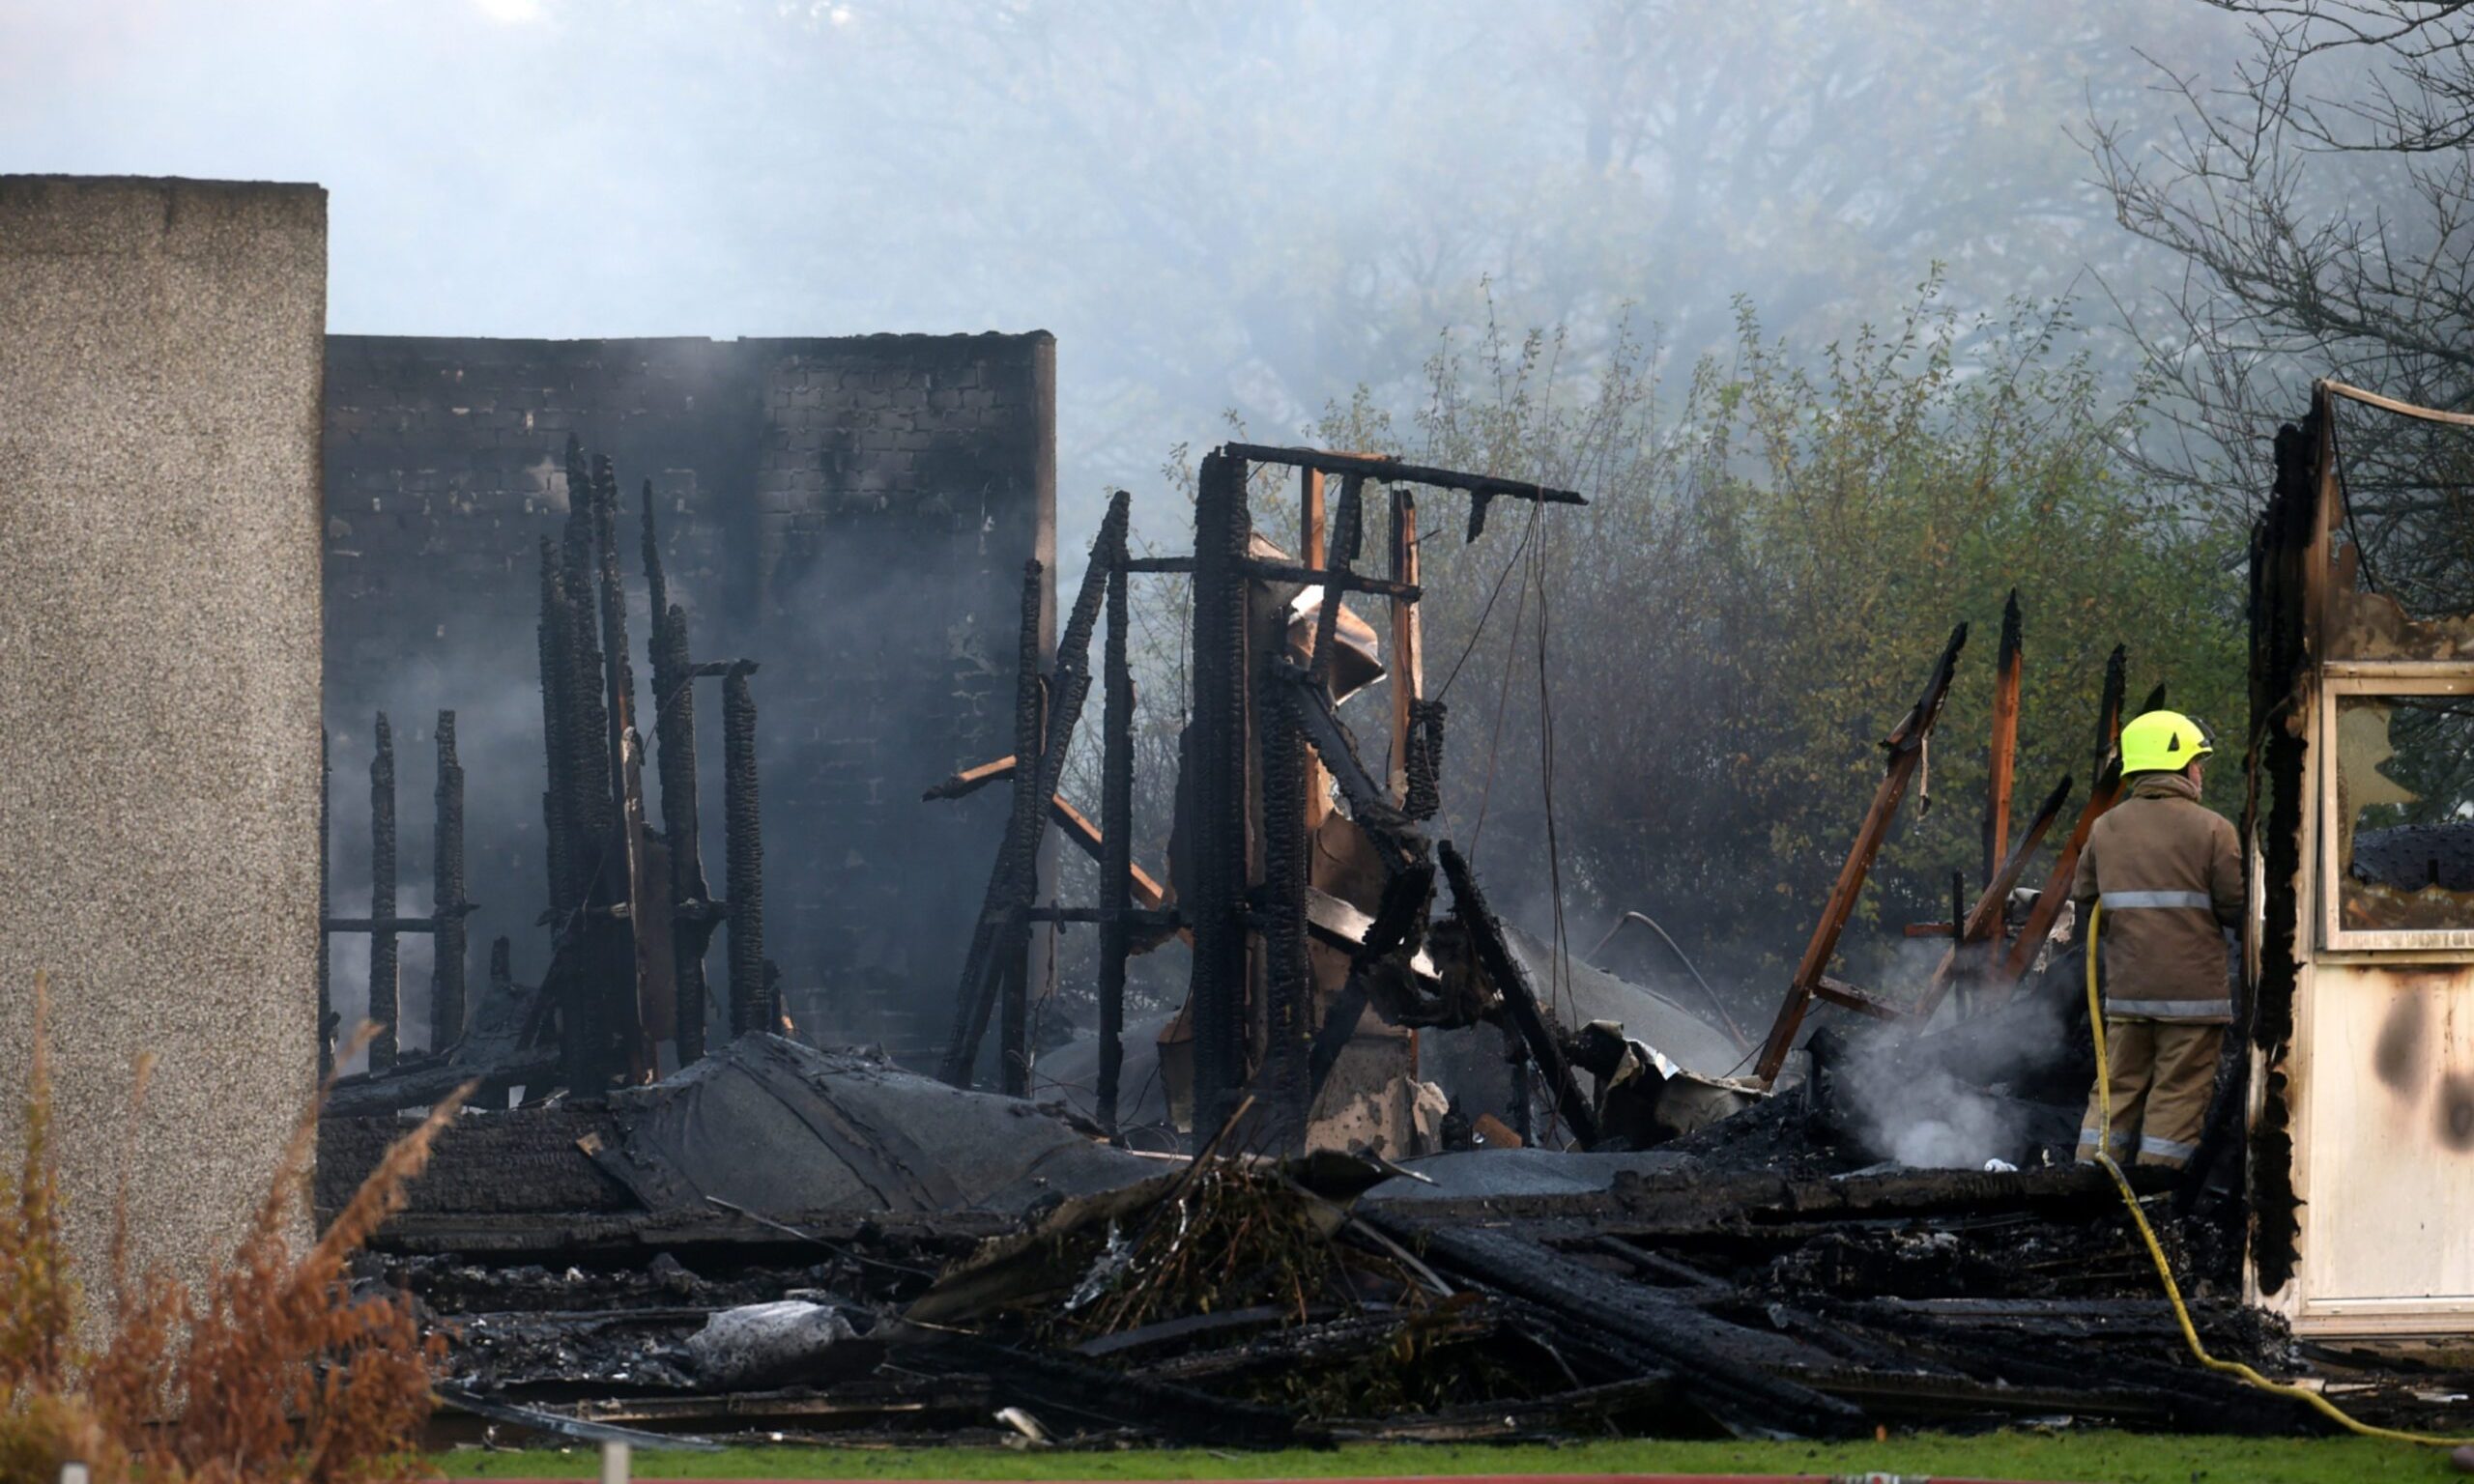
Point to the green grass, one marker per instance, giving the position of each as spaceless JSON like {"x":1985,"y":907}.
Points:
{"x":2092,"y":1458}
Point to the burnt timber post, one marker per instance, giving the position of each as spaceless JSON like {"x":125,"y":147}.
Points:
{"x":383,"y":977}
{"x":2001,"y":771}
{"x":743,"y":852}
{"x":1905,"y":746}
{"x":641,"y":991}
{"x":1287,"y":976}
{"x":447,"y":906}
{"x":1116,"y":833}
{"x":675,"y":735}
{"x":2055,"y":891}
{"x":1222,"y":528}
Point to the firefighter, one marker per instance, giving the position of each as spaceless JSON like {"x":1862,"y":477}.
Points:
{"x":2166,"y":874}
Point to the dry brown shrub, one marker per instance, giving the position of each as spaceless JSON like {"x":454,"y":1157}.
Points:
{"x":280,"y":1374}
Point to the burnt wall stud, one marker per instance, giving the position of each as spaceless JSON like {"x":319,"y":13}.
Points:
{"x":743,"y":851}
{"x":383,"y":986}
{"x":675,"y":735}
{"x":641,"y":991}
{"x":1222,"y":527}
{"x":1287,"y":976}
{"x":446,"y":894}
{"x":1116,"y":835}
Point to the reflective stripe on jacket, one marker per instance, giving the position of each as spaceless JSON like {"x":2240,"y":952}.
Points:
{"x":2168,"y":872}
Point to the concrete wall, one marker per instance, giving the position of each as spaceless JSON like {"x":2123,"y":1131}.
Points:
{"x":852,"y":513}
{"x":160,"y":344}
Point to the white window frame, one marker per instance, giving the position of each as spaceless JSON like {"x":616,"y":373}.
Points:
{"x":2405,"y":679}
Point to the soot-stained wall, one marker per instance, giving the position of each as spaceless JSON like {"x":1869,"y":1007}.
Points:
{"x":853,"y":514}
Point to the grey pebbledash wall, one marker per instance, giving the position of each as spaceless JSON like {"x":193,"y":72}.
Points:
{"x":160,"y":344}
{"x":853,"y":514}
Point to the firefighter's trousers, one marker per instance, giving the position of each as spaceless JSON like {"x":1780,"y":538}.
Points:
{"x":2163,"y":1075}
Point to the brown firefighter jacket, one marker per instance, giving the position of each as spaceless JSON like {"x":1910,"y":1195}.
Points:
{"x":2168,"y":872}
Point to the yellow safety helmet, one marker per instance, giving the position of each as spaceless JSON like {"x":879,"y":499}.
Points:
{"x":2163,"y":742}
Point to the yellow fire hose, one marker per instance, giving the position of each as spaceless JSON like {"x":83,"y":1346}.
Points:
{"x":2164,"y":1269}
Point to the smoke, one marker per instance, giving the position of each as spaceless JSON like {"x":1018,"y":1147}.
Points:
{"x":1957,"y":1098}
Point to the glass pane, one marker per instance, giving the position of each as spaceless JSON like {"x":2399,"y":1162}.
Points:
{"x":2403,"y":584}
{"x":2405,"y":812}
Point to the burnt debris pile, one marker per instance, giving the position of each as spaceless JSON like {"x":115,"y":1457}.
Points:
{"x":1244,"y":1300}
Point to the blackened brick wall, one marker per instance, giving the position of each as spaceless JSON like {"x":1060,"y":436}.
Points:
{"x":853,"y":514}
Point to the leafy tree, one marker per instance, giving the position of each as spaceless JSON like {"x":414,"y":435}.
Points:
{"x":2321,"y":206}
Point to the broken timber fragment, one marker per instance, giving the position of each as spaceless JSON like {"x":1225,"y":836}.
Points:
{"x":1905,"y":746}
{"x":383,"y":973}
{"x":1983,"y":923}
{"x":1115,"y":844}
{"x":1078,"y":829}
{"x":2056,"y":892}
{"x":1722,"y":1368}
{"x":2001,"y":769}
{"x":446,"y":893}
{"x":743,"y":854}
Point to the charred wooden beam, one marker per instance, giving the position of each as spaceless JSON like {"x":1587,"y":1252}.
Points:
{"x":644,"y":997}
{"x":1078,"y":829}
{"x":743,"y":852}
{"x":1905,"y":746}
{"x":692,"y":920}
{"x":2054,"y":893}
{"x":382,"y":971}
{"x":1521,"y":1007}
{"x":1722,"y":1368}
{"x":1116,"y":833}
{"x":1383,"y":471}
{"x":2002,"y":767}
{"x":1412,"y":766}
{"x":1345,"y":582}
{"x":2285,"y":591}
{"x":1282,"y":1083}
{"x":1313,"y":713}
{"x":970,"y":780}
{"x":1346,"y":528}
{"x":592,"y":748}
{"x":2108,"y":707}
{"x":1839,"y":993}
{"x":1980,"y":930}
{"x":1216,"y":903}
{"x":446,"y":893}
